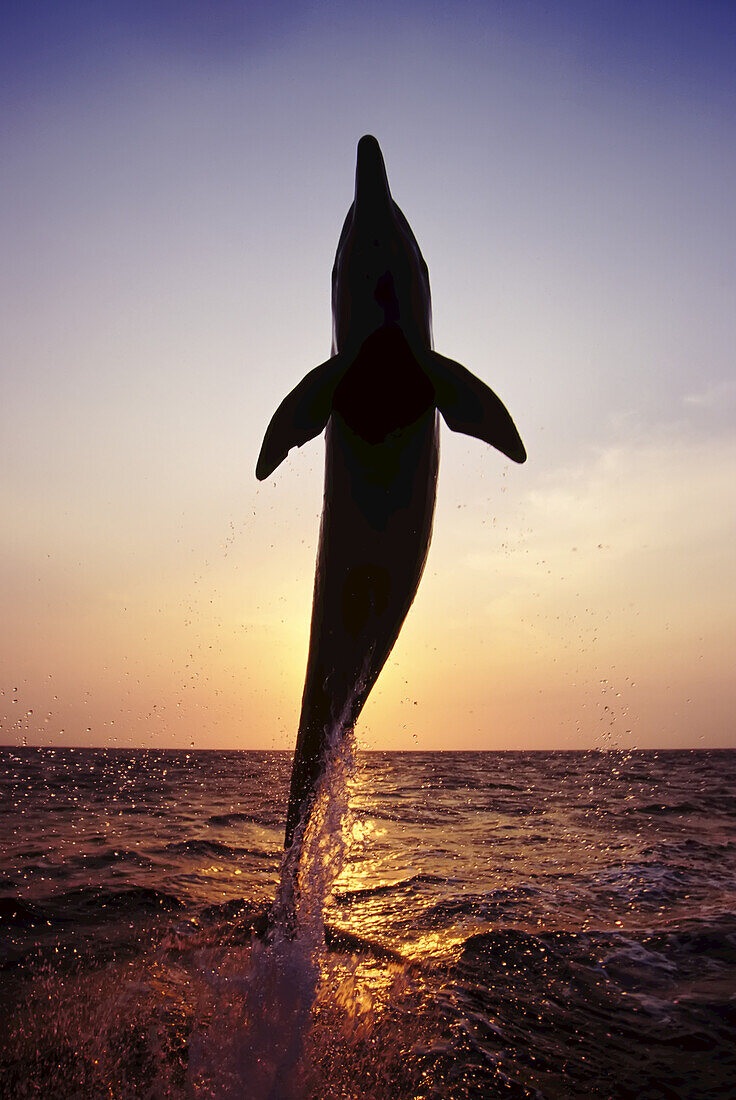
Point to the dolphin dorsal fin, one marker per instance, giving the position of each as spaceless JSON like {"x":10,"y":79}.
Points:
{"x":471,"y":407}
{"x":301,"y":416}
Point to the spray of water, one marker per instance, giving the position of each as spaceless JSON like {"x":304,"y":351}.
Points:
{"x":256,"y":1042}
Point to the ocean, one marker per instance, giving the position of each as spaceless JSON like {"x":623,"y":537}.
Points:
{"x":521,"y":924}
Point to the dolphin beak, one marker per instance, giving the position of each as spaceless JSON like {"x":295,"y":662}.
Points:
{"x":372,"y":191}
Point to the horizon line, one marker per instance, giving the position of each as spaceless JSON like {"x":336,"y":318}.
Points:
{"x":381,"y":752}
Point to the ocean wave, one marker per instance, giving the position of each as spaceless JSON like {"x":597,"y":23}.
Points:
{"x":202,"y":847}
{"x":665,"y":808}
{"x":19,"y":913}
{"x":346,"y":897}
{"x":712,"y":938}
{"x":141,"y":810}
{"x":100,"y":901}
{"x":99,"y":860}
{"x":239,"y":817}
{"x":480,"y":906}
{"x":643,"y":883}
{"x":234,"y":908}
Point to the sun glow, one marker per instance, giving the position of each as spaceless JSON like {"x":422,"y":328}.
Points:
{"x":171,"y":228}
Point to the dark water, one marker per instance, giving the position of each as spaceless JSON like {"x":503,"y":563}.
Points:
{"x":505,"y":924}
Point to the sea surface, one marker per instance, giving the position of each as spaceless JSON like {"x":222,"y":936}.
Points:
{"x":495,"y":924}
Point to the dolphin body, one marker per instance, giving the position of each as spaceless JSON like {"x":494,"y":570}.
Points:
{"x":378,"y":397}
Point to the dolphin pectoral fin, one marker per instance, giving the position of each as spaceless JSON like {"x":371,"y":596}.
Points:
{"x":301,"y":416}
{"x":471,"y":407}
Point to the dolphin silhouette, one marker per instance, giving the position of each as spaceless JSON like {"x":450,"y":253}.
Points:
{"x":378,"y":397}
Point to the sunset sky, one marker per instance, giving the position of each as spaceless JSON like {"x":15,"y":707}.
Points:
{"x":174,"y":178}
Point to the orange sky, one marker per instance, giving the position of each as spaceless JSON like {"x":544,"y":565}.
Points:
{"x":170,"y":222}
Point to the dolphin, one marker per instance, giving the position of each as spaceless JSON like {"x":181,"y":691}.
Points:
{"x":378,"y":396}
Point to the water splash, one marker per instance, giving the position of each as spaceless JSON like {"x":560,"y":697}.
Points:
{"x":257,"y":1039}
{"x":316,"y":856}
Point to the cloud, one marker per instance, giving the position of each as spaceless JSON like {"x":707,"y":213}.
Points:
{"x":666,"y":491}
{"x":630,"y":543}
{"x":714,"y":396}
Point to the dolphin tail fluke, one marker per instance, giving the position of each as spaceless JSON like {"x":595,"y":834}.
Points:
{"x":471,"y":407}
{"x":301,"y":416}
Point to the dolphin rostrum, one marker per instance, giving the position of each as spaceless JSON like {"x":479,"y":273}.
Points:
{"x":378,"y":397}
